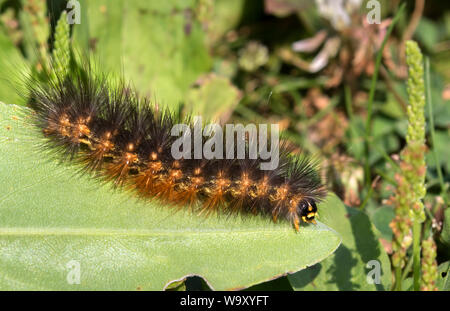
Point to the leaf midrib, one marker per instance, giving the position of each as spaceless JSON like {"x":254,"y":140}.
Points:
{"x":20,"y":231}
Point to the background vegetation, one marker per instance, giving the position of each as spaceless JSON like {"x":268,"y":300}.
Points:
{"x":373,"y":105}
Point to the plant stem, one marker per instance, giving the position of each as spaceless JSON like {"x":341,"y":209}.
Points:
{"x":348,"y":102}
{"x":416,"y":253}
{"x":407,"y":268}
{"x":367,"y":177}
{"x":398,"y":279}
{"x":385,"y":177}
{"x":366,"y":199}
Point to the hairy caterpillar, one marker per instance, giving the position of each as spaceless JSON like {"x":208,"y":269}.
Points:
{"x":120,"y":137}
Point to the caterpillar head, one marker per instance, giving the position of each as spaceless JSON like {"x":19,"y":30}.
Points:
{"x":307,"y":210}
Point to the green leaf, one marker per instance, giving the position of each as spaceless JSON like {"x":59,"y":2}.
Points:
{"x":226,"y":16}
{"x":441,"y":107}
{"x":12,"y":66}
{"x":427,"y":33}
{"x":445,"y":235}
{"x":408,"y":284}
{"x":347,"y":268}
{"x":158,"y":45}
{"x":443,"y":281}
{"x":214,"y":99}
{"x":381,"y":218}
{"x":161,"y":48}
{"x":51,"y":217}
{"x":392,"y":107}
{"x":442,"y":141}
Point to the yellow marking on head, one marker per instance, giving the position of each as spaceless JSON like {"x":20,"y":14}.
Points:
{"x":310,"y":208}
{"x":130,"y":147}
{"x":197,"y":171}
{"x":153,"y":156}
{"x":310,"y":215}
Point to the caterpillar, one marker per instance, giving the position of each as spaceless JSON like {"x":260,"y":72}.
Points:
{"x":123,"y":138}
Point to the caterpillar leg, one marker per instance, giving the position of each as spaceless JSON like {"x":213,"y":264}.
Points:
{"x":297,"y":224}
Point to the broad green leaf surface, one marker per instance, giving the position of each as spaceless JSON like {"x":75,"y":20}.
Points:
{"x":347,"y":268}
{"x":158,"y":45}
{"x":52,"y":219}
